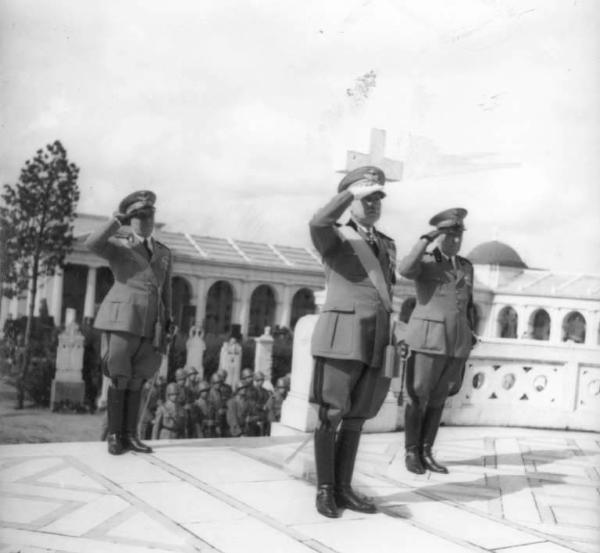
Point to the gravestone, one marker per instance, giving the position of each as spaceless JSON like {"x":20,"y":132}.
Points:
{"x":230,"y":360}
{"x":263,"y":356}
{"x":195,"y":350}
{"x":68,"y":382}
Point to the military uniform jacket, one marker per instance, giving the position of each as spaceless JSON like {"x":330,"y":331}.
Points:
{"x":141,"y":294}
{"x":353,"y":323}
{"x":441,"y":322}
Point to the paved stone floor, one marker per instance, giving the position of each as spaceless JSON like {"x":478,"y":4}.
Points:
{"x":509,"y":490}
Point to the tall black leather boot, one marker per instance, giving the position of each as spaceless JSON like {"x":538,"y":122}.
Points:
{"x":324,"y":462}
{"x":431,"y":423}
{"x":345,"y":457}
{"x":412,"y":438}
{"x":115,"y":406}
{"x":131,"y":441}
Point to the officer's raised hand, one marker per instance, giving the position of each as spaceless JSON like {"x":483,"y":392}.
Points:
{"x":123,"y":218}
{"x":365,"y":187}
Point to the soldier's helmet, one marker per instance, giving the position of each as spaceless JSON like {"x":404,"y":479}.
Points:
{"x":203,"y":386}
{"x":214,"y":379}
{"x":246,"y":373}
{"x":259,"y":377}
{"x":180,"y":374}
{"x":172,"y":389}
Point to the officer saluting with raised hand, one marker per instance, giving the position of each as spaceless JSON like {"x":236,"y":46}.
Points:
{"x":135,"y":315}
{"x":440,"y":333}
{"x":351,"y":333}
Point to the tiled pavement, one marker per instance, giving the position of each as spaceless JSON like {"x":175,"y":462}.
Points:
{"x":509,"y":490}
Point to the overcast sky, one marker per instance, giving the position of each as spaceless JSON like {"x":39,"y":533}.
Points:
{"x":238,"y":114}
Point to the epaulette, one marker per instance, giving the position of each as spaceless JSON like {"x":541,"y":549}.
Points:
{"x":161,"y":244}
{"x":463,"y":260}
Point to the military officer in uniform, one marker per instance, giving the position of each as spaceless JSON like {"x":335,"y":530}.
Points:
{"x":135,"y":314}
{"x":440,"y":333}
{"x":351,"y":332}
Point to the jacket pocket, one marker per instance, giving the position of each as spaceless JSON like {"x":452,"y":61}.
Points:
{"x":114,"y":310}
{"x":342,"y":335}
{"x":434,"y":335}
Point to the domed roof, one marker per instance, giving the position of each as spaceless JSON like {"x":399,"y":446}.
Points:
{"x":496,"y":253}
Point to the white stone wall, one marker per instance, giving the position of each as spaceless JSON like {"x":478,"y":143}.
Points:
{"x":535,"y":384}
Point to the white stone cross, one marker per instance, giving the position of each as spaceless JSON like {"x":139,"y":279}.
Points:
{"x":392,"y":168}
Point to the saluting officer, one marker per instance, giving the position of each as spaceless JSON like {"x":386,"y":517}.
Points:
{"x":135,"y":314}
{"x":351,"y":332}
{"x":440,"y":333}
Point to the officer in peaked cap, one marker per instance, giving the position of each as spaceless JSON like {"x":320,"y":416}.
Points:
{"x":440,"y":333}
{"x":135,"y":315}
{"x":351,"y":332}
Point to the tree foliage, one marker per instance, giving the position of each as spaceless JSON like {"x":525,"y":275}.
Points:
{"x":37,"y":218}
{"x":37,"y":227}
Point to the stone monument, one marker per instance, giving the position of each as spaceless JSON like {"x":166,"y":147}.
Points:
{"x":68,"y":382}
{"x":195,"y":350}
{"x":263,"y":356}
{"x":230,"y":360}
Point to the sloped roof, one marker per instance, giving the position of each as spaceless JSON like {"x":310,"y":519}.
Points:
{"x":221,"y":249}
{"x":550,"y":284}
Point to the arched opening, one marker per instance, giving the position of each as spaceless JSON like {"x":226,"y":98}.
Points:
{"x":262,"y":309}
{"x":539,"y":325}
{"x":573,"y":328}
{"x":74,"y":286}
{"x":406,"y":309}
{"x":507,"y":323}
{"x":219,"y":303}
{"x":184,"y":314}
{"x":303,"y":303}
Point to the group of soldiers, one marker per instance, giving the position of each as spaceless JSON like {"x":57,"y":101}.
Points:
{"x":191,"y":407}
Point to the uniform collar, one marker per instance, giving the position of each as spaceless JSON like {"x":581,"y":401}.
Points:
{"x":366,"y":231}
{"x":141,"y":239}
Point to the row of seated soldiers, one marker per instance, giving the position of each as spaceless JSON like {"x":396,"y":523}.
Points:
{"x":190,"y":407}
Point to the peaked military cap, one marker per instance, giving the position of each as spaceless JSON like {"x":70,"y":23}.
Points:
{"x":137,"y":200}
{"x":368,"y":172}
{"x":450,"y":219}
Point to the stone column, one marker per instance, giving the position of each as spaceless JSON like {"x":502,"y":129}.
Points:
{"x":522,"y":320}
{"x":90,"y":294}
{"x":492,"y":323}
{"x":284,"y":308}
{"x":242,"y":316}
{"x":592,"y":322}
{"x":200,"y":291}
{"x":57,"y":297}
{"x":556,"y":320}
